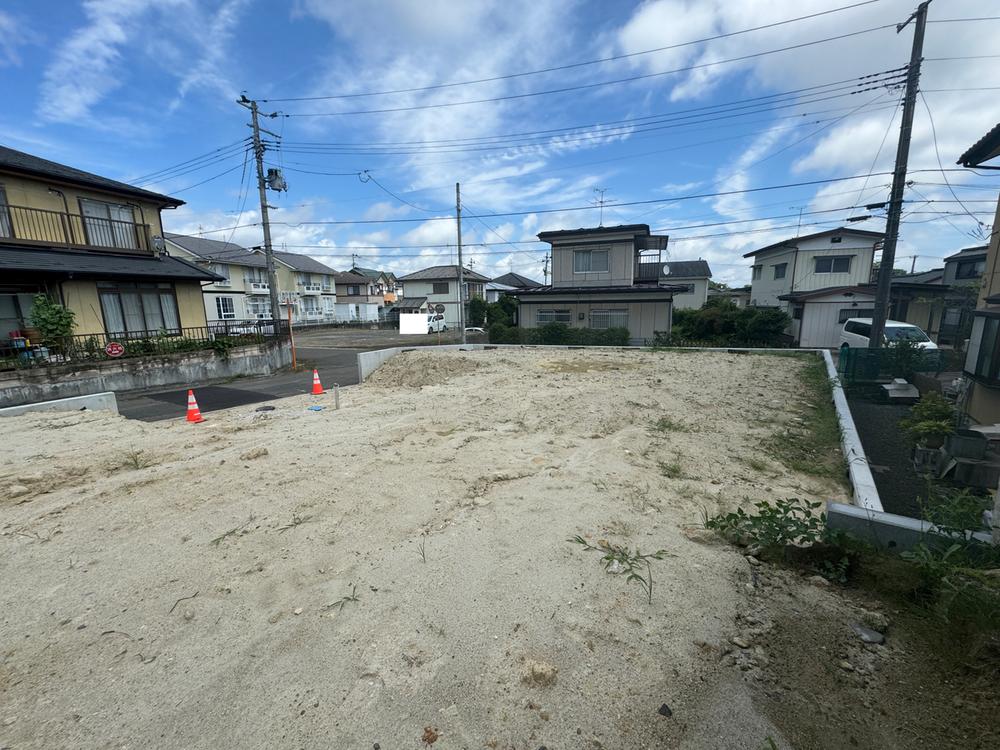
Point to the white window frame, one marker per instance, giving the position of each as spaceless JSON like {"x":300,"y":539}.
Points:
{"x":833,"y":262}
{"x":602,"y":320}
{"x":756,"y":273}
{"x":784,"y":270}
{"x":229,"y":314}
{"x":589,"y":255}
{"x":552,"y":315}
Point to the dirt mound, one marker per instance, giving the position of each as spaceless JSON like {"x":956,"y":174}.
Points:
{"x":417,"y":369}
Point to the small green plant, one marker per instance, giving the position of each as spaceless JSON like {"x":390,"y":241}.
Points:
{"x":53,"y":321}
{"x":954,"y":512}
{"x":671,"y":470}
{"x":784,"y":522}
{"x":930,"y":420}
{"x":836,"y":571}
{"x":136,"y":459}
{"x":339,"y":604}
{"x":668,"y":424}
{"x":618,"y":559}
{"x":756,"y":464}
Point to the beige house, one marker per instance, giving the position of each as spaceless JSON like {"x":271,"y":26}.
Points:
{"x":94,"y":244}
{"x":604,"y":277}
{"x":692,"y":276}
{"x":982,"y":363}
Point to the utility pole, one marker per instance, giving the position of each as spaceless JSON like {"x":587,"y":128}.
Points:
{"x":545,"y":270}
{"x":258,"y":149}
{"x":913,"y":264}
{"x":898,"y":176}
{"x":461,"y":276}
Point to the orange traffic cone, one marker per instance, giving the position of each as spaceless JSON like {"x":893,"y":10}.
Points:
{"x":317,"y":386}
{"x":194,"y":413}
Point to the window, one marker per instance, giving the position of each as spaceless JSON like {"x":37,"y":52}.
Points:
{"x":757,"y":272}
{"x":834,"y":264}
{"x":835,"y":240}
{"x":225,"y":308}
{"x":256,"y":275}
{"x":779,"y":270}
{"x":354,"y":290}
{"x":223,"y":270}
{"x":970,"y":269}
{"x":797,"y":312}
{"x":108,"y":224}
{"x":986,"y":363}
{"x":855,"y":312}
{"x":603,"y":319}
{"x":553,"y":316}
{"x":6,"y":228}
{"x":590,"y":261}
{"x":305,"y":279}
{"x":952,"y":317}
{"x":131,"y":308}
{"x":310,"y":305}
{"x":441,"y":287}
{"x":862,"y":329}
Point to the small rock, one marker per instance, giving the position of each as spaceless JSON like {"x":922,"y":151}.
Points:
{"x":875,"y":620}
{"x":81,"y":626}
{"x":430,"y":735}
{"x":753,"y":560}
{"x":615,"y":567}
{"x":539,"y":673}
{"x":274,"y":618}
{"x":271,"y":408}
{"x":818,"y":580}
{"x":258,"y":452}
{"x":16,"y":490}
{"x":740,"y":642}
{"x":867,"y":634}
{"x":297,"y":611}
{"x":664,"y":710}
{"x":188,"y":615}
{"x":847,"y":666}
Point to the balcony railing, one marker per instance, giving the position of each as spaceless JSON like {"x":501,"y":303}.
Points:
{"x":310,"y":288}
{"x":258,"y":287}
{"x":41,"y":226}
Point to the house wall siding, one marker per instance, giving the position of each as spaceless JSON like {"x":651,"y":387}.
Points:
{"x":33,"y":193}
{"x":621,"y":264}
{"x":693,"y":300}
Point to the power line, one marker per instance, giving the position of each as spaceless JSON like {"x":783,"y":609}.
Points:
{"x":584,"y":86}
{"x":570,"y":66}
{"x":215,"y":177}
{"x":146,"y":177}
{"x":192,"y":165}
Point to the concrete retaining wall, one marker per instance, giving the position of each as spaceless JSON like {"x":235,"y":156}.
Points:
{"x":66,"y":381}
{"x":885,"y":530}
{"x":92,"y":402}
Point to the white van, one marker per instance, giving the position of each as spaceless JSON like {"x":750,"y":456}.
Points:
{"x":436,"y":324}
{"x":857,"y":331}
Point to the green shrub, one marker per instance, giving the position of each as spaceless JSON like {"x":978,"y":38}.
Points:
{"x":52,"y":320}
{"x":721,"y":323}
{"x":778,"y":524}
{"x":930,"y":420}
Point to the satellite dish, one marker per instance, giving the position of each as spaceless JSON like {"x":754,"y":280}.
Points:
{"x":439,"y":308}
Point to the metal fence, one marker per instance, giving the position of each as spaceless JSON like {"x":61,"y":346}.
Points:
{"x":860,"y":365}
{"x":102,"y":347}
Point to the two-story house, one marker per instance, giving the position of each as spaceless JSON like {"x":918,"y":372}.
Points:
{"x":605,"y":277}
{"x":95,"y":245}
{"x":384,"y":283}
{"x":816,"y":279}
{"x":693,"y":276}
{"x":306,"y":285}
{"x":358,"y":297}
{"x":231,"y":297}
{"x":439,"y":285}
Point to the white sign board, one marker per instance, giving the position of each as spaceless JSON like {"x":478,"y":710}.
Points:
{"x":412,"y":323}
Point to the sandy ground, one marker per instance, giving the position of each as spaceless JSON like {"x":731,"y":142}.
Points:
{"x":397,"y":574}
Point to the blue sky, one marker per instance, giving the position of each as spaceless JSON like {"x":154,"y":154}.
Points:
{"x":127,"y":88}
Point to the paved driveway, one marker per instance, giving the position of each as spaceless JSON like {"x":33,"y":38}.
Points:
{"x":332,"y":351}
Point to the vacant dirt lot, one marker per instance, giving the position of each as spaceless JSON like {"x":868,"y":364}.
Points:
{"x":397,"y":574}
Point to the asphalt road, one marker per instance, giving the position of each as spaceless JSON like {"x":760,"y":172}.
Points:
{"x":331,"y":351}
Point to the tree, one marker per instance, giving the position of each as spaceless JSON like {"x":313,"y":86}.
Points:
{"x":718,"y":285}
{"x":721,"y":322}
{"x":503,"y":311}
{"x":477,"y":312}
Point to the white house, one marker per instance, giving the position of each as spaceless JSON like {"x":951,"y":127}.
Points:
{"x":835,"y":258}
{"x":693,"y":276}
{"x":439,"y":284}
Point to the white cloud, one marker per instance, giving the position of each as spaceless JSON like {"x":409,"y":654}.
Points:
{"x":14,"y":34}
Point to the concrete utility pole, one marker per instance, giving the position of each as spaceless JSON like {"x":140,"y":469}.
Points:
{"x":258,"y":149}
{"x":461,"y":276}
{"x":545,"y":270}
{"x":898,"y":176}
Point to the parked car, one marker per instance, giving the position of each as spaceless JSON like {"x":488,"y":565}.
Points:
{"x":435,"y":324}
{"x":474,"y":329}
{"x":856,"y":333}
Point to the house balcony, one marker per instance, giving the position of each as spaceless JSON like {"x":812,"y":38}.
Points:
{"x":258,"y":287}
{"x":310,"y":288}
{"x":57,"y":228}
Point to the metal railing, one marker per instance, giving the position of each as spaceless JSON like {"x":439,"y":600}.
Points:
{"x":72,"y":230}
{"x":219,"y":336}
